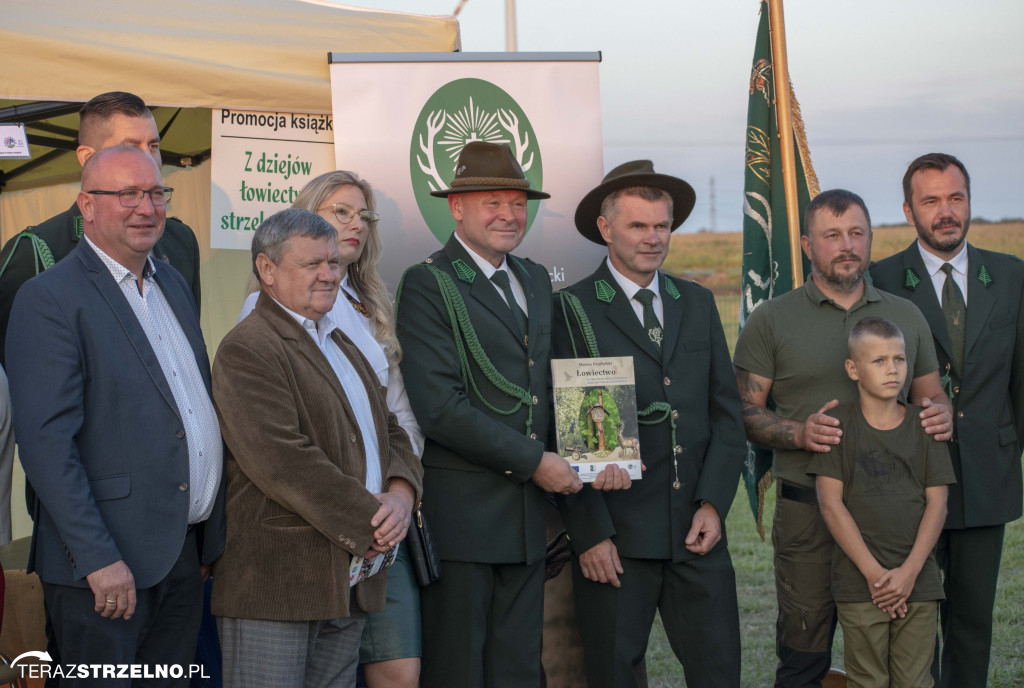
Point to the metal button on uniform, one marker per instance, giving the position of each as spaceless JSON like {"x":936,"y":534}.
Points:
{"x":960,"y":415}
{"x":179,"y":434}
{"x":535,"y":400}
{"x":533,"y":435}
{"x":530,"y":363}
{"x":677,"y":485}
{"x":183,"y":487}
{"x":352,"y":437}
{"x":508,"y":474}
{"x":675,"y":415}
{"x":678,"y":449}
{"x":667,"y":381}
{"x":429,"y":260}
{"x":956,"y":390}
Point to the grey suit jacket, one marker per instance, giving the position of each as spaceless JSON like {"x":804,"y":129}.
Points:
{"x":988,"y":398}
{"x":100,"y":437}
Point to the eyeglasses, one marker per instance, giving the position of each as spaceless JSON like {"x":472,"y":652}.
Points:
{"x":132,"y":198}
{"x":346,"y":214}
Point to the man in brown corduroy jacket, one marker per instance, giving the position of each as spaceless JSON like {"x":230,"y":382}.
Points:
{"x":318,"y":471}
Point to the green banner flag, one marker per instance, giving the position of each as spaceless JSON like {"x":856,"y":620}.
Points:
{"x":766,"y":268}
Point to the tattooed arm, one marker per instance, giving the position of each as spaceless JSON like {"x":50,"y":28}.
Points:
{"x":768,"y":429}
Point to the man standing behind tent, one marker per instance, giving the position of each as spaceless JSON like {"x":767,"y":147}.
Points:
{"x":475,"y":325}
{"x":109,"y":119}
{"x":661,"y":544}
{"x":793,"y":347}
{"x":117,"y":432}
{"x":974,"y":302}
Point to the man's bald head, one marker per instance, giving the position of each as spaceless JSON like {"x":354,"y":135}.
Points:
{"x":96,"y":168}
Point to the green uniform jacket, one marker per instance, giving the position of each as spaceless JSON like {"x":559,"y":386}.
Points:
{"x":988,"y":399}
{"x":694,"y":375}
{"x":477,"y":462}
{"x":177,"y":246}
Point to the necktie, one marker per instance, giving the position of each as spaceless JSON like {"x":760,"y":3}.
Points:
{"x":501,"y":279}
{"x":651,"y":324}
{"x":955,"y":310}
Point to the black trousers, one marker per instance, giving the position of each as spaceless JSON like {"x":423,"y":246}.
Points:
{"x":482,"y":626}
{"x":697,"y":601}
{"x":969,"y":558}
{"x":162,"y":631}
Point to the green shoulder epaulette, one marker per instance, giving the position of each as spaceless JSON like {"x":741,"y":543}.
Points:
{"x":41,"y":254}
{"x":465,"y":337}
{"x":571,"y":304}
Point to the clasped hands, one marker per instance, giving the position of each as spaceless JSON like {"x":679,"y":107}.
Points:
{"x":393,"y":517}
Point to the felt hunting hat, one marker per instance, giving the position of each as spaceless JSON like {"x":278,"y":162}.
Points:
{"x":484,"y":166}
{"x":626,"y":175}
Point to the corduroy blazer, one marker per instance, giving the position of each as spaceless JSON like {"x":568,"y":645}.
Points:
{"x":297,"y":505}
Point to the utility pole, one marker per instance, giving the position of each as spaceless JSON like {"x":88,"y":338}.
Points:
{"x":714,"y":223}
{"x":510,"y":26}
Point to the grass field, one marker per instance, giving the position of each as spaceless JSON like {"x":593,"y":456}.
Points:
{"x":714,"y":260}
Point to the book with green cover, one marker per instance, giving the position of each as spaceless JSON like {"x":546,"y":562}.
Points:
{"x":595,"y":414}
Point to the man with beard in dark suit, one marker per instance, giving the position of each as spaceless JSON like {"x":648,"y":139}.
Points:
{"x":974,"y":302}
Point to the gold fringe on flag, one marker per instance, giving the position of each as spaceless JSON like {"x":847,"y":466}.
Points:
{"x":813,"y":187}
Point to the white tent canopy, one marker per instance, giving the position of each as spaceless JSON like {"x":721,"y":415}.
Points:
{"x":256,"y":54}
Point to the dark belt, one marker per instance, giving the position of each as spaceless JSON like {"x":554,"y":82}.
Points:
{"x":796,"y":493}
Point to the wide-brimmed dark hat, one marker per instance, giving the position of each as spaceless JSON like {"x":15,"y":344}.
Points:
{"x":626,"y":175}
{"x":486,"y":166}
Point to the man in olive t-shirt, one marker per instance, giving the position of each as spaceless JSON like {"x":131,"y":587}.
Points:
{"x":793,"y":347}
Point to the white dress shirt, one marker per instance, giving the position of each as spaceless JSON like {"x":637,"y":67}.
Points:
{"x":355,"y":390}
{"x":178,"y":363}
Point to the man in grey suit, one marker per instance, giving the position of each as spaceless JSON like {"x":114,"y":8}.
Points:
{"x":118,"y":436}
{"x":974,"y":302}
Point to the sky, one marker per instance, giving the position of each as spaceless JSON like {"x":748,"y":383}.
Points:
{"x":879,"y":83}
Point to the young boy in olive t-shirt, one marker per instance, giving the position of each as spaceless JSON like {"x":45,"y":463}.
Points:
{"x":882,"y":492}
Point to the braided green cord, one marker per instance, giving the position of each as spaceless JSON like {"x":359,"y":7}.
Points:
{"x":572,"y":303}
{"x":40,"y":252}
{"x":666,"y":412}
{"x":462,"y":329}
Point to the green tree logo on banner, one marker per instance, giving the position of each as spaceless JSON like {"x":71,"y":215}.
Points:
{"x":461,"y":111}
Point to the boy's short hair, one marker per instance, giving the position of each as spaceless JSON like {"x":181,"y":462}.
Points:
{"x":873,"y":325}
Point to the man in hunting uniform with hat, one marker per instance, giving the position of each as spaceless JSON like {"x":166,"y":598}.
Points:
{"x":660,"y":545}
{"x":475,"y":326}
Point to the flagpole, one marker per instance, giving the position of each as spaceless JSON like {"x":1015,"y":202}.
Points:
{"x":783,"y":110}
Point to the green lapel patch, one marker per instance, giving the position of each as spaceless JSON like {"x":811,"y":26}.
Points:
{"x":604,"y":291}
{"x":464,"y":272}
{"x":984,"y":276}
{"x":912,"y":280}
{"x":670,"y":288}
